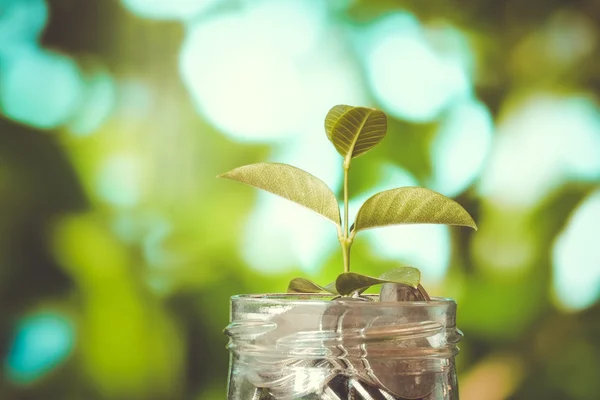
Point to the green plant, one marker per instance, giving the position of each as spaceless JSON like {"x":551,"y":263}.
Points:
{"x":354,"y":131}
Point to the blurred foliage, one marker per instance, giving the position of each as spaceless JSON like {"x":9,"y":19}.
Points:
{"x":119,"y":250}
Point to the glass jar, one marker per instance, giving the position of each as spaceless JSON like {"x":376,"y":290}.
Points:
{"x":309,"y":346}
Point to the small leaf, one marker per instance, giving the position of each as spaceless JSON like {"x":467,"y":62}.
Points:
{"x":301,"y":285}
{"x":291,"y":183}
{"x":350,"y":282}
{"x":356,"y":130}
{"x":411,"y":205}
{"x":407,"y":275}
{"x":333,"y":117}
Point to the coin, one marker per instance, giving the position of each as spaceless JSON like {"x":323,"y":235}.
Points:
{"x":362,"y":342}
{"x":403,"y":377}
{"x":286,"y":377}
{"x":344,"y":324}
{"x":399,"y":292}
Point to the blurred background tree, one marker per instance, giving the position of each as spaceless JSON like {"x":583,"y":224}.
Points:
{"x":119,"y":250}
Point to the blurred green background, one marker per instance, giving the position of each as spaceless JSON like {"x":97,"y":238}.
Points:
{"x":119,"y":249}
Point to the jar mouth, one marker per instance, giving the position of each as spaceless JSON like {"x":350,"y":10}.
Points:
{"x":316,"y":325}
{"x":372,"y":300}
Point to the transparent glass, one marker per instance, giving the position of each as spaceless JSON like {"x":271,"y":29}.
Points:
{"x":292,"y":347}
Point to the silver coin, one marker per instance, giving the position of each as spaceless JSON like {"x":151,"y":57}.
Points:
{"x":372,"y":375}
{"x":345,"y":323}
{"x":394,"y":292}
{"x":285,"y":378}
{"x":404,"y":378}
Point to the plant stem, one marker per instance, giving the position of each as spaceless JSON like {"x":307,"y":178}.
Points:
{"x":346,"y":226}
{"x":345,"y":240}
{"x":346,"y":253}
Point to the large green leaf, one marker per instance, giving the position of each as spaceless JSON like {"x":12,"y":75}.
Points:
{"x":333,"y":117}
{"x":291,"y":183}
{"x":356,"y":130}
{"x":411,"y":205}
{"x":350,"y":282}
{"x":301,"y":285}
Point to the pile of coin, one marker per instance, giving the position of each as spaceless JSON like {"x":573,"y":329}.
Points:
{"x":351,"y":374}
{"x":341,"y":387}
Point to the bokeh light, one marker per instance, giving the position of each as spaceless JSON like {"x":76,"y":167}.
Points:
{"x":119,"y":181}
{"x":410,"y":78}
{"x":21,"y":23}
{"x":42,"y":341}
{"x":98,"y":102}
{"x":39,"y":87}
{"x":553,"y":138}
{"x":153,"y":240}
{"x":460,"y":147}
{"x":576,"y":257}
{"x":169,"y":9}
{"x":272,"y":95}
{"x":282,"y":236}
{"x":494,"y":378}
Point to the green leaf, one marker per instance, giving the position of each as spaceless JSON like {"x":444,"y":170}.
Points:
{"x":356,"y":130}
{"x":411,"y":205}
{"x":406,"y":275}
{"x":291,"y":183}
{"x":333,"y":117}
{"x":351,"y":282}
{"x":301,"y":285}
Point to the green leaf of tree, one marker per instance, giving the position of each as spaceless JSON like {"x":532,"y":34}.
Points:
{"x":356,"y":130}
{"x":291,"y":183}
{"x":333,"y":117}
{"x":351,"y":282}
{"x":411,"y":205}
{"x":301,"y":285}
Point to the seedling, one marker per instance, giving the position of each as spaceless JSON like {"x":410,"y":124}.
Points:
{"x":354,"y":131}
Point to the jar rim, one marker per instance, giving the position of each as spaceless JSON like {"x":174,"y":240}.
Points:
{"x":320,"y":298}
